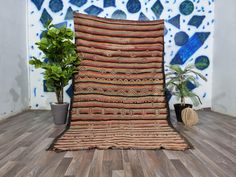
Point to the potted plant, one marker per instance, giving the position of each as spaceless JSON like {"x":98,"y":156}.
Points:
{"x":60,"y":65}
{"x":177,"y":85}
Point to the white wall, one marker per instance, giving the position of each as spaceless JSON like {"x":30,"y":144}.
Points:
{"x":224,"y":63}
{"x":41,"y":99}
{"x":13,"y":54}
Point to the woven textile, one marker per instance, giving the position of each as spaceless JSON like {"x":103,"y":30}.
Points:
{"x":119,"y":99}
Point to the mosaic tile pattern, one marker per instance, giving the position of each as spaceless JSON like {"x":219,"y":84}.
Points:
{"x":157,"y":9}
{"x":133,"y":6}
{"x":192,"y":45}
{"x":196,"y":20}
{"x":56,"y":5}
{"x":175,"y":21}
{"x":186,"y":7}
{"x":181,"y":38}
{"x":93,"y":10}
{"x":188,"y":39}
{"x":202,"y":62}
{"x":38,"y":3}
{"x":109,"y":3}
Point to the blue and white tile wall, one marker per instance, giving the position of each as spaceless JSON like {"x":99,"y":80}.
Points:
{"x":188,"y":36}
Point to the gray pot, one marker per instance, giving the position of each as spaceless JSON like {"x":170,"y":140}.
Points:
{"x":59,"y":112}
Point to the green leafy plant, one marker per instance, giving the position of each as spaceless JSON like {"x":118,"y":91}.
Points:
{"x":62,"y":60}
{"x":177,"y":80}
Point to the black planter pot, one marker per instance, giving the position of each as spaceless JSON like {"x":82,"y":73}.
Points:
{"x":59,"y":112}
{"x":178,"y":110}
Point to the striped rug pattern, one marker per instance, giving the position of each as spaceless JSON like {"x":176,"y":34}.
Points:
{"x":119,"y":99}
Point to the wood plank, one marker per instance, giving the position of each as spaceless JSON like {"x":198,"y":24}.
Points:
{"x":182,"y":170}
{"x":135,"y":165}
{"x":18,"y":166}
{"x":30,"y":133}
{"x":62,"y":167}
{"x":96,"y":164}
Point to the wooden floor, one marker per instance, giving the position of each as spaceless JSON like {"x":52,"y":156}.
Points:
{"x":24,"y":138}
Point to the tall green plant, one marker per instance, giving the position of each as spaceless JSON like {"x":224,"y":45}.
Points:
{"x":177,"y":80}
{"x":62,"y":60}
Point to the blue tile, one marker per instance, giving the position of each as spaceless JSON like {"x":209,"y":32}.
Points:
{"x":142,"y":17}
{"x":181,"y":38}
{"x":109,"y":3}
{"x":133,"y":6}
{"x":188,"y":49}
{"x":165,"y":31}
{"x":175,"y":21}
{"x":78,"y":3}
{"x":55,"y":5}
{"x":69,"y":14}
{"x":190,"y":85}
{"x":186,"y":7}
{"x":119,"y":14}
{"x":45,"y":17}
{"x":38,"y":3}
{"x":196,"y":20}
{"x":157,"y":8}
{"x":202,"y":62}
{"x":93,"y":10}
{"x":69,"y":91}
{"x":59,"y":25}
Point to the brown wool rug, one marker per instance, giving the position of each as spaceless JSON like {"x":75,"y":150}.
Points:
{"x":119,"y":99}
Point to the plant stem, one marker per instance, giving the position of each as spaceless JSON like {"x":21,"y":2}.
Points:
{"x":62,"y":91}
{"x":59,"y":95}
{"x":182,"y":101}
{"x":181,"y":90}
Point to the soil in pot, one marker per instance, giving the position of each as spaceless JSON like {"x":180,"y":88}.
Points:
{"x":178,"y":110}
{"x":59,"y":112}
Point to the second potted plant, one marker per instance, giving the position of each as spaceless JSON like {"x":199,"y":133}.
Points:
{"x":60,"y":63}
{"x":177,"y":84}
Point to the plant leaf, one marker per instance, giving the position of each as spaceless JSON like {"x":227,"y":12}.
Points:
{"x":176,"y":68}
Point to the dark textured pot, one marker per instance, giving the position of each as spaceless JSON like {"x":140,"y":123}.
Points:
{"x":178,"y":110}
{"x":59,"y":112}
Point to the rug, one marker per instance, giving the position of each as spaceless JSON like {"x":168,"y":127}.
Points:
{"x":119,"y":99}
